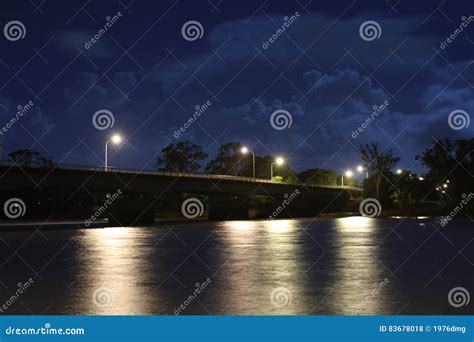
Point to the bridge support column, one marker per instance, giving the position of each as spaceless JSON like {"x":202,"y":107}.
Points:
{"x":228,"y":208}
{"x":132,"y":210}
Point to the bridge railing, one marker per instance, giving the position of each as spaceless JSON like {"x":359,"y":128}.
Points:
{"x":161,"y":173}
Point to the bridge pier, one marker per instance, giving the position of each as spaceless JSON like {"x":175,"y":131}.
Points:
{"x":131,"y":210}
{"x":228,"y":208}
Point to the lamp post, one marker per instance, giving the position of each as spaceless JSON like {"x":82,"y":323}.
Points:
{"x":348,"y":174}
{"x":115,"y":139}
{"x":245,"y":150}
{"x":278,"y":161}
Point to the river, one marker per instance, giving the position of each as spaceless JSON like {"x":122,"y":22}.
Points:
{"x":342,"y":266}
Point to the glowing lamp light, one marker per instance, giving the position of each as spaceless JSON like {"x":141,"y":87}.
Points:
{"x":279,"y":161}
{"x":348,"y":173}
{"x":360,"y":168}
{"x":116,"y":139}
{"x":244,"y":150}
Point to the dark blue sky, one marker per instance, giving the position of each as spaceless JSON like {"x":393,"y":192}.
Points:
{"x":320,"y":70}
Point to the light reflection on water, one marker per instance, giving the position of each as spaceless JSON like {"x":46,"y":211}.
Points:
{"x":328,"y":266}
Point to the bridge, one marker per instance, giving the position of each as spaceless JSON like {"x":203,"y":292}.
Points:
{"x":70,"y":191}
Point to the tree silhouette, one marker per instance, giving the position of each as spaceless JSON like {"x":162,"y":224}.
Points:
{"x":26,"y":157}
{"x":379,"y":165}
{"x":230,"y":161}
{"x":184,"y":156}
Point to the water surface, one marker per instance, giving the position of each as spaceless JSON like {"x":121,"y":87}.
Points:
{"x":340,"y":266}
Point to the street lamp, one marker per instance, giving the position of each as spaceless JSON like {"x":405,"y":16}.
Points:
{"x":361,"y":169}
{"x":399,"y":171}
{"x":279,"y":161}
{"x":245,"y":150}
{"x":115,"y":139}
{"x":348,"y":174}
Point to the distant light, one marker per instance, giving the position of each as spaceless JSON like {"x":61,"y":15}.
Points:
{"x":438,"y":188}
{"x":447,"y":181}
{"x":116,"y":139}
{"x":279,"y":161}
{"x":399,"y":171}
{"x":360,"y":168}
{"x":421,"y":178}
{"x":443,"y":192}
{"x":445,"y":185}
{"x":244,"y":150}
{"x":349,"y":173}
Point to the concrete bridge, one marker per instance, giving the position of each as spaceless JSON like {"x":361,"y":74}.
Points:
{"x":77,"y":191}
